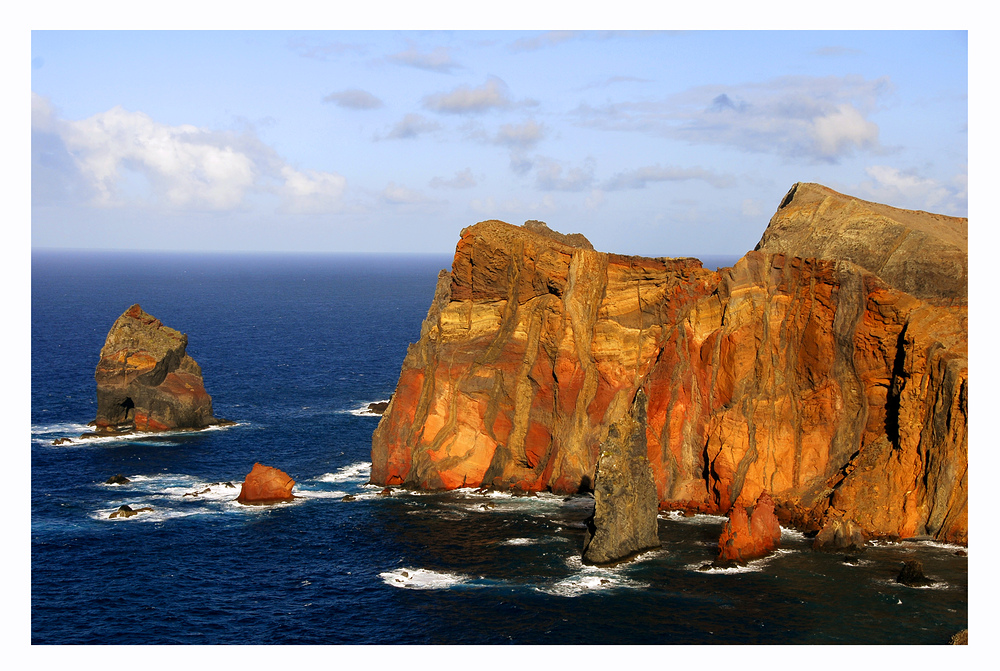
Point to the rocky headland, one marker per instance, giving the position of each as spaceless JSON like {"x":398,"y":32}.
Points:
{"x":147,"y":382}
{"x":828,"y":367}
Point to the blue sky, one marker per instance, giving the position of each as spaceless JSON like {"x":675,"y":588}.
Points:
{"x":661,"y":143}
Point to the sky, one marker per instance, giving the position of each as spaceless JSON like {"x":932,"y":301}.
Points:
{"x":659,"y":143}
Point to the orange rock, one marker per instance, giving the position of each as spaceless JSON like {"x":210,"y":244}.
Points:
{"x":746,"y":538}
{"x":265,"y":484}
{"x":838,"y":386}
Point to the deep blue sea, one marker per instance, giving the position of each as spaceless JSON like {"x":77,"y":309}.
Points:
{"x":292,"y":349}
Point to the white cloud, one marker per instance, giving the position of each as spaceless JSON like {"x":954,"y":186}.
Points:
{"x":640,"y":177}
{"x":551,"y":176}
{"x":438,"y":60}
{"x":462,"y":180}
{"x":466,"y":100}
{"x":356,"y":99}
{"x":396,"y":194}
{"x":811,"y":118}
{"x":410,"y":126}
{"x":184,"y":167}
{"x":522,"y":136}
{"x":911,"y":191}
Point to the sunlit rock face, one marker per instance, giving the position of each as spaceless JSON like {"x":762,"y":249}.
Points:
{"x":146,"y":381}
{"x":837,"y":385}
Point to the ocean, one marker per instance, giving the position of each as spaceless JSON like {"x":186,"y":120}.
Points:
{"x":293,"y":348}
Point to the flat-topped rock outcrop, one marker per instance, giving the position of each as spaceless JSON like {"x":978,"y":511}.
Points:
{"x":146,"y":381}
{"x":837,"y":383}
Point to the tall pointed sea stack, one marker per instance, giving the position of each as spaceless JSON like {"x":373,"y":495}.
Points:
{"x":828,"y":367}
{"x":146,"y":381}
{"x":625,"y":503}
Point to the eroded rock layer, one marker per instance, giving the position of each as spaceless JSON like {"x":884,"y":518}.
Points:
{"x":146,"y":381}
{"x":822,"y":381}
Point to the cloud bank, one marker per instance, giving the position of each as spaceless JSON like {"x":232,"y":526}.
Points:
{"x":119,"y":158}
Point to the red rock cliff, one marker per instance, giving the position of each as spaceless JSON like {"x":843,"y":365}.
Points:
{"x":837,"y":385}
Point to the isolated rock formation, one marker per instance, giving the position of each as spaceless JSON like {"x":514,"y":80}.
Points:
{"x":625,"y":502}
{"x":266,"y":484}
{"x":746,"y":537}
{"x":128,"y":511}
{"x":146,"y":381}
{"x":822,"y":381}
{"x":912,"y":574}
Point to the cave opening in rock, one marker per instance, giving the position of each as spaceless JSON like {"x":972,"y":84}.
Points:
{"x":128,"y":409}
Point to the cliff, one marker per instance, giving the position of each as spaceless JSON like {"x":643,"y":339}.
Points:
{"x":146,"y":381}
{"x":837,"y":385}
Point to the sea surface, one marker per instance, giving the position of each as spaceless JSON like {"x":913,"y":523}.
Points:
{"x":293,"y":348}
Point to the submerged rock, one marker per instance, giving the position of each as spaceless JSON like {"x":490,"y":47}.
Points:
{"x":744,"y":538}
{"x":624,"y":522}
{"x":266,"y":484}
{"x":146,"y":381}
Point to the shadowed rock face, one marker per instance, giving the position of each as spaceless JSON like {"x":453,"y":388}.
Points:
{"x":822,"y":381}
{"x":146,"y":381}
{"x":625,"y":502}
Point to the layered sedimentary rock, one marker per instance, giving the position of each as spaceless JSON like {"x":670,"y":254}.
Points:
{"x":266,"y":484}
{"x":625,"y":501}
{"x":146,"y":381}
{"x":749,"y":536}
{"x":838,"y":385}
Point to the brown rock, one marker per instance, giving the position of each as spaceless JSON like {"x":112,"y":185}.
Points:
{"x":265,"y":484}
{"x":625,"y":502}
{"x":961,"y":638}
{"x":822,"y":381}
{"x":744,"y":538}
{"x":146,"y":381}
{"x":128,"y":511}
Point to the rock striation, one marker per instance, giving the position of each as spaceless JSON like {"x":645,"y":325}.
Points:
{"x":750,"y":535}
{"x":837,"y":382}
{"x":146,"y":381}
{"x":625,"y":502}
{"x":265,"y":484}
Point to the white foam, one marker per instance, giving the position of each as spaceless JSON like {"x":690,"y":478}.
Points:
{"x":71,"y":428}
{"x":591,"y":579}
{"x":360,"y":471}
{"x":319,"y":494}
{"x":521,"y":541}
{"x":697,"y":518}
{"x":753,"y":566}
{"x":418,"y":578}
{"x":363,"y":411}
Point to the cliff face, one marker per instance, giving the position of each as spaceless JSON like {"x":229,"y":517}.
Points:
{"x":146,"y":381}
{"x":839,"y":386}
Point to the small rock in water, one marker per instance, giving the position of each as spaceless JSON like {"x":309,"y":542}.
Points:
{"x":850,"y":560}
{"x":128,"y":511}
{"x":385,"y":492}
{"x":912,"y":574}
{"x":118,"y":479}
{"x":349,"y":497}
{"x":61,"y":441}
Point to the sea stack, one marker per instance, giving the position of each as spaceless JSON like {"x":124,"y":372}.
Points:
{"x":828,"y":367}
{"x":146,"y":381}
{"x":266,"y":484}
{"x":625,"y":503}
{"x":749,"y":536}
